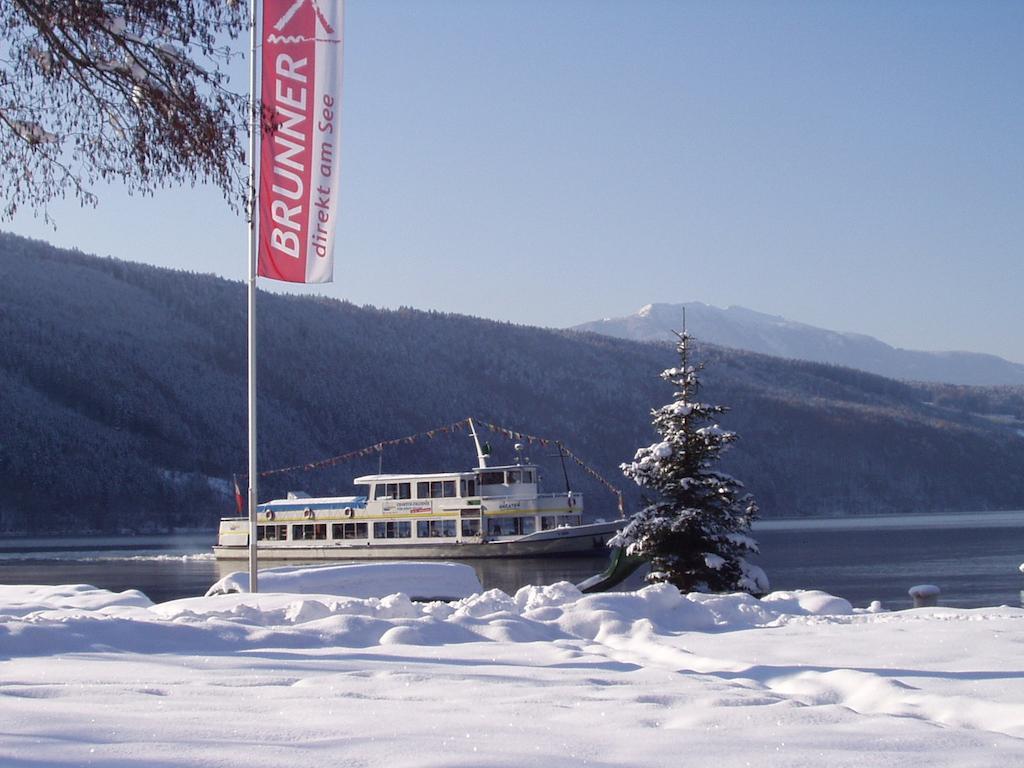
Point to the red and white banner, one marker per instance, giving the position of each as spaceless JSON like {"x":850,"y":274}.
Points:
{"x":300,"y":147}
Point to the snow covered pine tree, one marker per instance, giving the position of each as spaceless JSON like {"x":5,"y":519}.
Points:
{"x":698,"y":530}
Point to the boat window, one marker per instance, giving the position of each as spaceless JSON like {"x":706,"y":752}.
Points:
{"x":569,"y":520}
{"x":436,"y":489}
{"x":471,"y":527}
{"x":401,"y":529}
{"x":435,"y":529}
{"x":467,"y":488}
{"x":393,"y":491}
{"x":511,"y":526}
{"x":548,"y":522}
{"x":348,"y":531}
{"x":527,"y":475}
{"x":309,"y":531}
{"x":492,"y":478}
{"x":514,"y":476}
{"x":271,"y":533}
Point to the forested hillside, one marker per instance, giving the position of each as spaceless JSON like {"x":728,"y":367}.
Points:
{"x":122,"y":403}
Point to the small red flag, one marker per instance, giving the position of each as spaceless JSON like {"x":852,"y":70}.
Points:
{"x":239,"y":501}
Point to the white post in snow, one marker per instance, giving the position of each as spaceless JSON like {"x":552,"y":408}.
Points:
{"x":253,"y":127}
{"x":925,"y":595}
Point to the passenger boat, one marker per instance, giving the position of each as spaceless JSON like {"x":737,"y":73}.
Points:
{"x":484,"y":512}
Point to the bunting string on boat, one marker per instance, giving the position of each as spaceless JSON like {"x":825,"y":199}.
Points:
{"x":430,"y":434}
{"x":368,"y":451}
{"x":530,"y":439}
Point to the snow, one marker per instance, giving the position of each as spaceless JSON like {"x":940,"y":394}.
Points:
{"x":662,"y":450}
{"x":754,"y":579}
{"x":545,"y":677}
{"x":420,"y":580}
{"x":713,"y":561}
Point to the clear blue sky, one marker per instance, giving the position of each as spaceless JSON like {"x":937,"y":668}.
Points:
{"x":854,"y":165}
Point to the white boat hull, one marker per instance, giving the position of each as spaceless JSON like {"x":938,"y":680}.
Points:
{"x":577,"y":540}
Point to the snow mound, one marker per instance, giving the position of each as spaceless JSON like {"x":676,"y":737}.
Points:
{"x":51,"y":620}
{"x":422,"y":581}
{"x":21,"y":601}
{"x":808,"y":603}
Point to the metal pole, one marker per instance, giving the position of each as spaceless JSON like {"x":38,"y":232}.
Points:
{"x":253,"y":127}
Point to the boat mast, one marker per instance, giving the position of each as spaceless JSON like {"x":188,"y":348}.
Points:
{"x":565,"y":474}
{"x":253,"y":584}
{"x":480,"y":457}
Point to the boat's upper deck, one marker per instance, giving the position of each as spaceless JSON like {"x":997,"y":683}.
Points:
{"x":370,"y":479}
{"x":513,"y":480}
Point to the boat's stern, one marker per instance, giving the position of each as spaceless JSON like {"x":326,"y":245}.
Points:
{"x":233,"y":532}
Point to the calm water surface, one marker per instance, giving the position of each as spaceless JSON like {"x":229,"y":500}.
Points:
{"x":974,"y":558}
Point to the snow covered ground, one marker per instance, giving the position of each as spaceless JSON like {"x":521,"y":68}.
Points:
{"x":547,"y":677}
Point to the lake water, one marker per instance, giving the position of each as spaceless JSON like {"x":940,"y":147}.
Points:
{"x":973,"y":558}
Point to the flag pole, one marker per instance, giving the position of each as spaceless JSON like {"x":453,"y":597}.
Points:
{"x":253,"y":127}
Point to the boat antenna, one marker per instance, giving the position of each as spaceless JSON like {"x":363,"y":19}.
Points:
{"x":481,"y":457}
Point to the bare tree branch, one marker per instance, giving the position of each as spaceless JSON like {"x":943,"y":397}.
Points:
{"x":102,"y":90}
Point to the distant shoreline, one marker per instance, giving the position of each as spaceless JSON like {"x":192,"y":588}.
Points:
{"x":986,"y":519}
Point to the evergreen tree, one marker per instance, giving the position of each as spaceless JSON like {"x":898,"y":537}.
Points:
{"x":696,"y":533}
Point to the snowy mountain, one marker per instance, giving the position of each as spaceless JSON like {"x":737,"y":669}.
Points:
{"x":746,"y":329}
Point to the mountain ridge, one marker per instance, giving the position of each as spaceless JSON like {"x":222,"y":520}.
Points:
{"x":741,"y":328}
